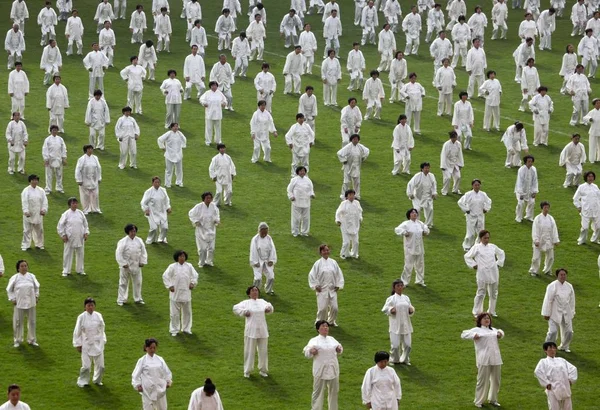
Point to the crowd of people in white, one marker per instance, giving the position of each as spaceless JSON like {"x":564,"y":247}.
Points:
{"x":381,"y":387}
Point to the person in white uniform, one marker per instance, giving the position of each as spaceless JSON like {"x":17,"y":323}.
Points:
{"x":74,"y":231}
{"x":324,"y":350}
{"x":542,"y":106}
{"x":205,"y":218}
{"x":137,"y":24}
{"x":445,"y":82}
{"x":373,"y":95}
{"x":411,"y":25}
{"x":308,"y":43}
{"x":256,"y":333}
{"x":455,"y":9}
{"x":307,"y":106}
{"x":332,"y":31}
{"x":558,"y":309}
{"x":194,"y":73}
{"x":263,"y":257}
{"x":104,"y":12}
{"x":34,"y":205}
{"x":422,"y":191}
{"x":213,"y":101}
{"x":198,"y":37}
{"x":18,"y":89}
{"x":224,"y":27}
{"x":350,"y":120}
{"x":578,"y":86}
{"x":172,"y":143}
{"x":488,"y":359}
{"x":240,"y":51}
{"x":331,"y":74}
{"x":222,"y":171}
{"x":476,"y":65}
{"x":413,"y":232}
{"x":156,"y":205}
{"x":478,"y":23}
{"x":74,"y":33}
{"x":261,"y":125}
{"x":222,"y":74}
{"x":413,"y":93}
{"x":17,"y":139}
{"x":530,"y":82}
{"x":193,"y":13}
{"x":97,"y":116}
{"x":352,"y":156}
{"x":485,"y":258}
{"x":265,"y":86}
{"x":546,"y":24}
{"x":14,"y":44}
{"x":515,"y":141}
{"x":355,"y":64}
{"x":461,"y":35}
{"x":349,"y":218}
{"x":526,"y":189}
{"x":152,"y":377}
{"x":499,"y":17}
{"x":134,"y":75}
{"x":206,"y":397}
{"x":23,"y":292}
{"x":369,"y":21}
{"x":491,"y":90}
{"x":588,"y":51}
{"x":89,"y":339}
{"x":386,"y":48}
{"x":131,"y":256}
{"x":163,"y":30}
{"x":180,"y":278}
{"x":127,"y":132}
{"x":88,"y":175}
{"x":440,"y":49}
{"x":451,"y":162}
{"x":593,"y":117}
{"x":556,"y":375}
{"x":435,"y":21}
{"x":579,"y":17}
{"x":402,"y":144}
{"x":292,"y":70}
{"x":19,"y":13}
{"x":14,"y":391}
{"x":289,"y":27}
{"x":586,"y":202}
{"x":463,"y":119}
{"x":300,"y":138}
{"x":300,"y":192}
{"x":381,"y":385}
{"x":173,"y":91}
{"x":47,"y":19}
{"x":107,"y":42}
{"x":475,"y":204}
{"x":257,"y":33}
{"x":96,"y":63}
{"x":399,"y":311}
{"x":544,"y":235}
{"x":54,"y":153}
{"x":51,"y":61}
{"x":572,"y":158}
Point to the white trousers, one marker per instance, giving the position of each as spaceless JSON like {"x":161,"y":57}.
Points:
{"x":12,"y":57}
{"x":266,"y":147}
{"x":445,"y":105}
{"x":330,"y":94}
{"x":347,"y":241}
{"x":224,"y":41}
{"x":223,"y":191}
{"x":566,"y":332}
{"x":52,"y":172}
{"x":269,"y":273}
{"x":426,"y":210}
{"x":350,"y":181}
{"x":20,"y":161}
{"x":200,"y":88}
{"x":546,"y":41}
{"x":593,"y":66}
{"x":97,"y":137}
{"x":125,"y":275}
{"x":128,"y":147}
{"x":251,"y":346}
{"x":158,"y":234}
{"x":86,"y":366}
{"x":537,"y":259}
{"x":90,"y":199}
{"x":181,"y":316}
{"x":488,"y":383}
{"x":50,"y":70}
{"x":503,"y":29}
{"x":417,"y":116}
{"x":19,"y":324}
{"x":206,"y":250}
{"x":257,"y":48}
{"x":368,"y":34}
{"x":297,"y":161}
{"x":70,"y":45}
{"x":212,"y":131}
{"x":585,"y":223}
{"x":395,"y":92}
{"x":492,"y":112}
{"x":327,"y":306}
{"x":318,"y":394}
{"x":32,"y":231}
{"x":173,"y":114}
{"x":400,"y":343}
{"x":18,"y":105}
{"x":386,"y":61}
{"x":331,"y":44}
{"x":460,"y":50}
{"x":412,"y":45}
{"x":527,"y":204}
{"x":241,"y":66}
{"x":451,"y":174}
{"x":169,"y":165}
{"x":580,"y":109}
{"x":513,"y":158}
{"x":159,"y":404}
{"x":540,"y":133}
{"x":416,"y":263}
{"x":162,"y":42}
{"x":68,"y":252}
{"x":96,"y":83}
{"x":475,"y":81}
{"x":554,"y":404}
{"x":594,"y":148}
{"x":475,"y":223}
{"x":292,"y":80}
{"x":309,"y":61}
{"x":134,"y":101}
{"x":401,"y":159}
{"x":109,"y":53}
{"x":492,"y":291}
{"x":58,"y":120}
{"x":300,"y":220}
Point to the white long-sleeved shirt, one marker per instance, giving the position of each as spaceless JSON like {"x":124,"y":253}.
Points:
{"x":16,"y":136}
{"x":546,"y":23}
{"x":461,"y":33}
{"x":422,"y":187}
{"x":369,"y":18}
{"x":492,"y":89}
{"x":403,"y":139}
{"x":301,"y":137}
{"x":588,"y":47}
{"x":331,"y":70}
{"x":399,"y":322}
{"x":180,"y":276}
{"x":544,"y":232}
{"x":24,"y":289}
{"x":134,"y":75}
{"x":327,"y":275}
{"x":205,"y":220}
{"x":451,"y":156}
{"x":89,"y":333}
{"x":527,"y":181}
{"x":308,"y":42}
{"x":222,"y":74}
{"x":162,"y":25}
{"x":172,"y":90}
{"x":198,"y":38}
{"x":398,"y":71}
{"x":558,"y":373}
{"x":586,"y":198}
{"x":351,"y":119}
{"x":104,"y":12}
{"x":440,"y":49}
{"x":173,"y":143}
{"x":352,"y":156}
{"x":157,"y":201}
{"x":240,"y":48}
{"x":214,"y":101}
{"x":475,"y":203}
{"x":74,"y":28}
{"x":515,"y":140}
{"x":445,"y":79}
{"x":487,"y":351}
{"x":33,"y":202}
{"x":499,"y":13}
{"x":153,"y":374}
{"x":201,"y":401}
{"x":541,"y":106}
{"x":301,"y":189}
{"x":381,"y":387}
{"x":307,"y":105}
{"x":487,"y":259}
{"x":54,"y":151}
{"x":18,"y":84}
{"x":476,"y":61}
{"x":107,"y":38}
{"x":137,"y":22}
{"x":265,"y":83}
{"x":355,"y":61}
{"x":289,"y":25}
{"x":373,"y":90}
{"x":578,"y":86}
{"x":97,"y":62}
{"x":193,"y":67}
{"x":19,"y":11}
{"x":262,"y":251}
{"x":294,"y":64}
{"x":463,"y":114}
{"x":593,"y":117}
{"x":349,"y":215}
{"x":325,"y":362}
{"x":413,"y":93}
{"x":222,"y":168}
{"x":413,"y":243}
{"x":51,"y":56}
{"x":256,"y":323}
{"x":73,"y":225}
{"x":14,"y":41}
{"x":97,"y":114}
{"x":332,"y":28}
{"x":411,"y":25}
{"x":559,"y":302}
{"x":131,"y":252}
{"x":262,"y":124}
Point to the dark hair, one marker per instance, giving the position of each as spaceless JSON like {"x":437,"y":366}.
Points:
{"x":331,"y":50}
{"x":220,"y":145}
{"x":354,"y":136}
{"x":300,"y":168}
{"x":205,"y":194}
{"x":178,"y":253}
{"x":32,"y":177}
{"x":197,"y":21}
{"x":543,"y":204}
{"x":130,"y":227}
{"x":318,"y":324}
{"x":250,"y":288}
{"x":462,"y":93}
{"x":171,"y":125}
{"x":561,"y":269}
{"x":265,"y":65}
{"x":410,"y":211}
{"x":526,"y":157}
{"x":13,"y":387}
{"x":542,"y":88}
{"x":352,"y":99}
{"x":475,"y":180}
{"x":323,"y":246}
{"x":425,"y":164}
{"x":19,"y":262}
{"x":398,"y":52}
{"x":379,"y":356}
{"x":154,"y":178}
{"x":519,"y":126}
{"x":89,"y":300}
{"x":411,"y":75}
{"x":261,"y":102}
{"x":86,"y":147}
{"x":171,"y":71}
{"x":348,"y":192}
{"x":148,"y":342}
{"x":546,"y":345}
{"x":567,"y":48}
{"x":490,"y":73}
{"x":132,"y":58}
{"x":461,"y":18}
{"x":52,"y":127}
{"x":374,"y":72}
{"x":401,"y":117}
{"x":481,"y":316}
{"x":453,"y":134}
{"x":483,"y":232}
{"x":396,"y":282}
{"x":209,"y":387}
{"x":530,"y":60}
{"x":210,"y":84}
{"x":589,"y":173}
{"x":299,"y":115}
{"x":126,"y":109}
{"x":71,"y":200}
{"x":309,"y":87}
{"x":149,"y":43}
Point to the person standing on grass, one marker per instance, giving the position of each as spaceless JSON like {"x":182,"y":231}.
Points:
{"x":127,"y":132}
{"x":326,"y":278}
{"x":422,"y":191}
{"x":593,"y":117}
{"x":397,"y":75}
{"x":331,"y":74}
{"x":586,"y":202}
{"x":545,"y":237}
{"x":324,"y":350}
{"x":240,"y":51}
{"x":173,"y":90}
{"x":451,"y":162}
{"x":369,"y":21}
{"x":198,"y":37}
{"x":475,"y":66}
{"x":224,"y":27}
{"x":180,"y":278}
{"x":152,"y":377}
{"x":89,"y":340}
{"x":14,"y":391}
{"x":213,"y":101}
{"x":526,"y":189}
{"x":51,"y":61}
{"x":14,"y":44}
{"x":515,"y":141}
{"x":263,"y":257}
{"x":23,"y":292}
{"x":300,"y":138}
{"x":352,"y":156}
{"x":222,"y":74}
{"x":107,"y":42}
{"x":386,"y":48}
{"x":18,"y":89}
{"x":18,"y":139}
{"x":463,"y":119}
{"x":373,"y":95}
{"x":559,"y":310}
{"x":349,"y":218}
{"x":35,"y":206}
{"x":96,"y":63}
{"x":300,"y":192}
{"x":308,"y":42}
{"x":578,"y":86}
{"x":569,"y":62}
{"x":137,"y":24}
{"x":332,"y":31}
{"x":147,"y":59}
{"x":461,"y":35}
{"x":572,"y":158}
{"x":288,"y":26}
{"x":556,"y":376}
{"x":488,"y":359}
{"x":440,"y":50}
{"x":163,"y":30}
{"x":491,"y":90}
{"x":172,"y":143}
{"x":381,"y":385}
{"x":350,"y":120}
{"x":134,"y":75}
{"x":131,"y":256}
{"x":307,"y":105}
{"x":413,"y":93}
{"x":402,"y":144}
{"x":88,"y":175}
{"x":222,"y":171}
{"x":546,"y":24}
{"x":411,"y":25}
{"x":399,"y":311}
{"x":205,"y":218}
{"x":485,"y":258}
{"x":355,"y":64}
{"x":292,"y":71}
{"x":47,"y":19}
{"x":257,"y":33}
{"x":19,"y":13}
{"x":97,"y":116}
{"x":265,"y":86}
{"x":54,"y":153}
{"x":413,"y":232}
{"x":256,"y":334}
{"x":206,"y":397}
{"x":57,"y":101}
{"x":156,"y":206}
{"x":73,"y":229}
{"x":475,"y":204}
{"x":542,"y":107}
{"x":104,"y":12}
{"x":261,"y":125}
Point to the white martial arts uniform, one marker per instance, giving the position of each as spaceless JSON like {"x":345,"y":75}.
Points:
{"x":51,"y":62}
{"x":462,"y":121}
{"x":263,"y":257}
{"x":400,"y":328}
{"x":18,"y":88}
{"x":499,"y":17}
{"x":515,"y":141}
{"x":546,"y":24}
{"x":526,"y":189}
{"x":593,"y":117}
{"x":96,"y":62}
{"x":213,"y":102}
{"x":440,"y":49}
{"x":198,"y":38}
{"x":257,"y":33}
{"x":54,"y":153}
{"x":35,"y":206}
{"x":19,"y":13}
{"x":521,"y":54}
{"x":20,"y":405}
{"x":134,"y":75}
{"x":326,"y":275}
{"x":578,"y":86}
{"x":559,"y":374}
{"x":223,"y":75}
{"x":381,"y":388}
{"x":392,"y":13}
{"x":47,"y":19}
{"x":97,"y":116}
{"x":435,"y":23}
{"x":88,"y":174}
{"x":193,"y":12}
{"x":544,"y":235}
{"x":223,"y":28}
{"x":300,"y":138}
{"x":461,"y":35}
{"x":14,"y":44}
{"x":350,"y":122}
{"x":147,"y":59}
{"x":488,"y":361}
{"x":579,"y":17}
{"x":326,"y":370}
{"x":265,"y":85}
{"x":414,"y":251}
{"x":300,"y":192}
{"x":422,"y":190}
{"x":451,"y":162}
{"x":352,"y":156}
{"x":542,"y":107}
{"x":261,"y":125}
{"x":127,"y":132}
{"x":173,"y":143}
{"x":137,"y":25}
{"x":74,"y":32}
{"x":491,"y":90}
{"x":369,"y":21}
{"x":455,"y":9}
{"x":152,"y":374}
{"x":163,"y":31}
{"x":222,"y":171}
{"x":173,"y":91}
{"x":355,"y":64}
{"x":331,"y":74}
{"x":478,"y":23}
{"x":413,"y":93}
{"x":445,"y":82}
{"x":200,"y":400}
{"x":240,"y":50}
{"x":104,"y":12}
{"x":386,"y":48}
{"x":156,"y":205}
{"x":530,"y":82}
{"x":586,"y":202}
{"x":194,"y":74}
{"x":73,"y":225}
{"x":588,"y":51}
{"x":131,"y":255}
{"x":89,"y":336}
{"x":23,"y":291}
{"x":373,"y":95}
{"x":332,"y":31}
{"x":289,"y":27}
{"x":475,"y":205}
{"x":402,"y":144}
{"x":256,"y":333}
{"x":476,"y":65}
{"x":411,"y":25}
{"x":487,"y":259}
{"x":307,"y":105}
{"x":107,"y":42}
{"x":180,"y":279}
{"x":17,"y":139}
{"x":349,"y":217}
{"x":292,"y":70}
{"x":205,"y":219}
{"x":398,"y":73}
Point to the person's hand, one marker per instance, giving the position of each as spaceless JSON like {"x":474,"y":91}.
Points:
{"x":65,"y":238}
{"x":90,"y":69}
{"x":533,"y":195}
{"x":411,"y":197}
{"x":80,"y":183}
{"x":247,"y":314}
{"x":78,"y":349}
{"x":11,"y":94}
{"x":547,"y":317}
{"x":456,"y":127}
{"x":475,"y":267}
{"x":293,"y":198}
{"x":14,"y":302}
{"x":339,"y":223}
{"x":275,"y":134}
{"x":476,"y":337}
{"x":393,"y":311}
{"x":270,"y":263}
{"x":338,"y":348}
{"x":549,"y":386}
{"x":499,"y":335}
{"x":291,"y":146}
{"x":191,"y":286}
{"x":336,"y":289}
{"x":215,"y":178}
{"x":314,"y":351}
{"x":468,"y":212}
{"x":169,"y":210}
{"x":318,"y":288}
{"x":147,"y":212}
{"x":187,"y":79}
{"x":521,"y":197}
{"x":485,"y":211}
{"x":407,"y":234}
{"x":172,"y":289}
{"x":85,"y":236}
{"x":141,"y":265}
{"x":27,"y":214}
{"x":469,"y":72}
{"x":537,"y":244}
{"x":125,"y":266}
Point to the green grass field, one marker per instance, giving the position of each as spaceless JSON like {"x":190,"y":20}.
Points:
{"x":443,"y":369}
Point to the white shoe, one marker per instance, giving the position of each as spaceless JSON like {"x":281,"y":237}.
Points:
{"x":263,"y":374}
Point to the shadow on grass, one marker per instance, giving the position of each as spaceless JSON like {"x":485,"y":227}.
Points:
{"x":35,"y":357}
{"x":102,"y":397}
{"x":478,"y":153}
{"x":268,"y":386}
{"x":416,"y":375}
{"x":165,"y":250}
{"x":446,"y":237}
{"x":271,"y":167}
{"x":236,"y":212}
{"x":143,"y":313}
{"x":194,"y":345}
{"x":84,"y":284}
{"x":429,"y":294}
{"x":217,"y":276}
{"x":363,"y":266}
{"x":311,"y":243}
{"x":348,"y":338}
{"x":281,"y":304}
{"x":368,"y":207}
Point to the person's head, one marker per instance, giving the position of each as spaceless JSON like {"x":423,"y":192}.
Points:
{"x":461,"y":19}
{"x":354,"y":139}
{"x":172,"y":73}
{"x":381,"y":359}
{"x":491,"y":74}
{"x":588,"y":32}
{"x":226,"y":12}
{"x":180,"y":256}
{"x":331,"y":53}
{"x":550,"y":349}
{"x":301,"y":171}
{"x":52,"y":43}
{"x":528,"y":16}
{"x":243,"y":35}
{"x":453,"y":135}
{"x":552,"y":10}
{"x":262,"y":105}
{"x":95,"y":46}
{"x":131,"y":230}
{"x":519,"y":126}
{"x":356,"y":45}
{"x":463,"y":95}
{"x":324,"y":250}
{"x":484,"y":236}
{"x":437,"y":6}
{"x":149,"y":44}
{"x":596,"y":103}
{"x":197,"y":23}
{"x":33,"y":180}
{"x":477,"y":9}
{"x":307,"y":27}
{"x":258,"y":17}
{"x":425,"y":166}
{"x":174,"y":126}
{"x":333,"y":13}
{"x":402,"y":119}
{"x":300,"y":118}
{"x":126,"y":111}
{"x":156,"y":181}
{"x":139,"y":8}
{"x":221,"y":148}
{"x":349,"y":194}
{"x":374,"y":74}
{"x":561,"y":275}
{"x":88,"y":149}
{"x":298,"y":49}
{"x":545,"y":207}
{"x":292,"y":12}
{"x":253,"y":292}
{"x":48,"y":4}
{"x":399,"y":55}
{"x":476,"y":42}
{"x":106,"y":25}
{"x":57,"y":79}
{"x":263,"y":229}
{"x":18,"y":66}
{"x":596,"y":14}
{"x":89,"y":304}
{"x":352,"y":102}
{"x":397,"y":286}
{"x":150,"y":346}
{"x":322,"y":327}
{"x":14,"y":394}
{"x":476,"y":185}
{"x":209,"y":387}
{"x":260,"y":6}
{"x":54,"y":129}
{"x":97,"y":94}
{"x":570,"y":49}
{"x":265,"y":67}
{"x":15,"y":28}
{"x":413,"y":9}
{"x":412,"y":214}
{"x":194,"y":49}
{"x":412,"y":77}
{"x":207,"y":197}
{"x":72,"y":203}
{"x":213,"y":85}
{"x":133,"y":60}
{"x":22,"y":266}
{"x":528,"y":160}
{"x":484,"y":319}
{"x":589,"y":177}
{"x":309,"y":90}
{"x":579,"y":68}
